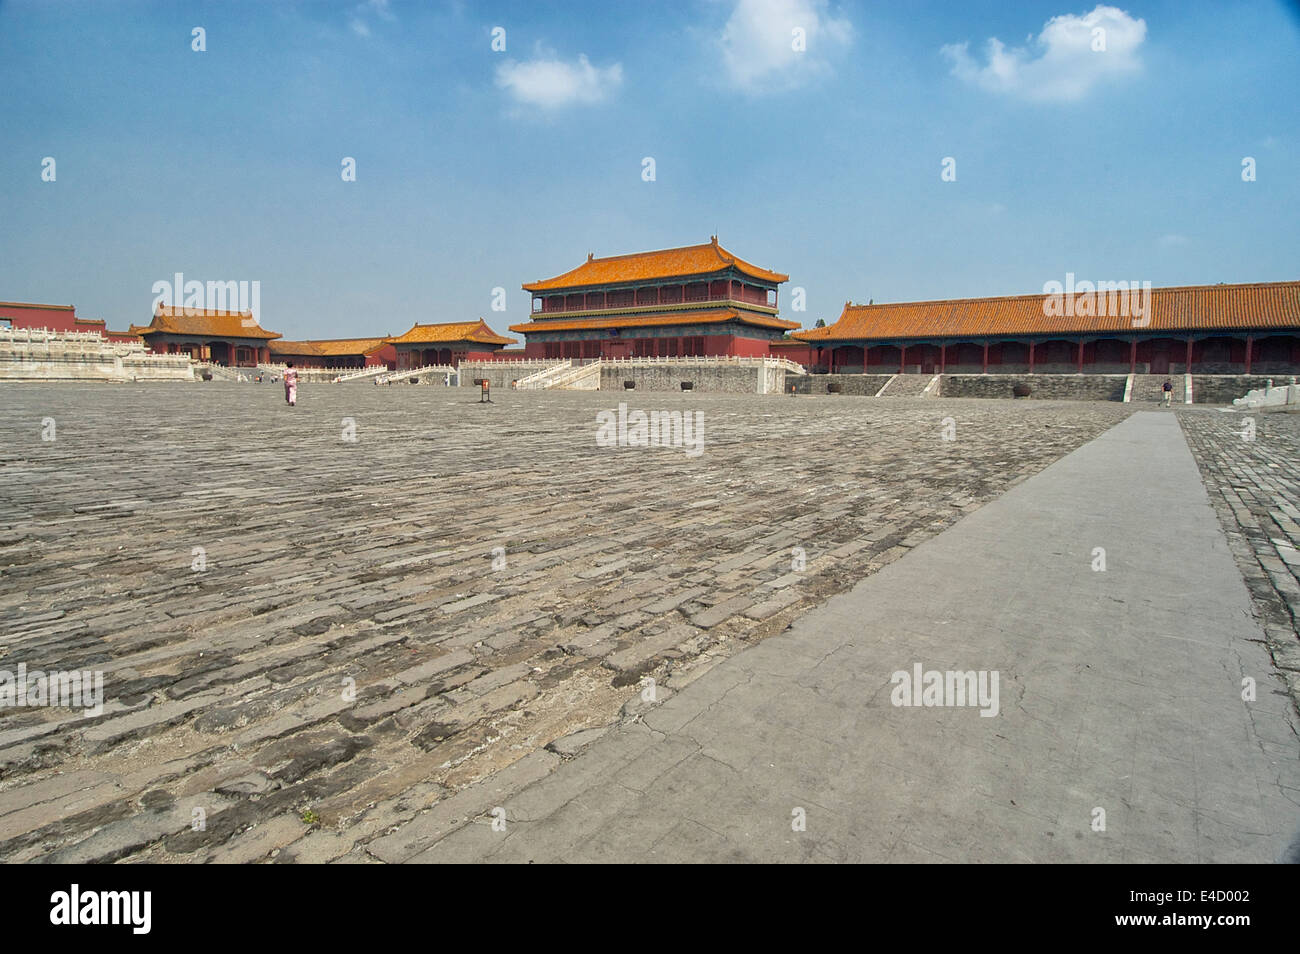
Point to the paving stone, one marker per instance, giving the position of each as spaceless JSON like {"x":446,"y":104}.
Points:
{"x":145,"y":721}
{"x":724,"y":610}
{"x":259,"y":842}
{"x":461,"y":605}
{"x":771,"y":607}
{"x":426,"y":671}
{"x":449,"y":814}
{"x":574,"y":743}
{"x":644,"y":648}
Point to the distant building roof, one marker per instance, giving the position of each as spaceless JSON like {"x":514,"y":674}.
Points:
{"x":198,"y":321}
{"x":684,"y":262}
{"x":329,"y":347}
{"x":1189,"y":308}
{"x":27,"y":304}
{"x":475,"y":331}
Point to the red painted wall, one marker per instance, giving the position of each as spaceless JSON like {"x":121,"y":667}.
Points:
{"x":748,"y":347}
{"x":53,"y":317}
{"x":387,"y":355}
{"x":798,"y":351}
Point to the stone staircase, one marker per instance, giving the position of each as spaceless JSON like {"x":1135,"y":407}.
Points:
{"x":910,"y":385}
{"x":1146,"y":388}
{"x":305,"y":375}
{"x":585,"y":377}
{"x":543,"y":379}
{"x":364,"y":374}
{"x":427,"y":371}
{"x":219,"y":372}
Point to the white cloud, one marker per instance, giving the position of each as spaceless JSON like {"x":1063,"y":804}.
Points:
{"x":549,"y":83}
{"x":1064,"y":62}
{"x":359,"y":25}
{"x":758,"y":44}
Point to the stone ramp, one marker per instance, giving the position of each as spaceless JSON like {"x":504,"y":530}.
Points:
{"x":908,"y":385}
{"x":860,"y":385}
{"x":1120,"y":691}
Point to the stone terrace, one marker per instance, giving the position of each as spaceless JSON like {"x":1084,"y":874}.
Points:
{"x":332,"y":564}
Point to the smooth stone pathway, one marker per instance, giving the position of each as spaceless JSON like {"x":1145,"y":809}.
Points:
{"x":1120,"y":690}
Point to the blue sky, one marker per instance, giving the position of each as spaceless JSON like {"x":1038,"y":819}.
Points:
{"x":479,"y":169}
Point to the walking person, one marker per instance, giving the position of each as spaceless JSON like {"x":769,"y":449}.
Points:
{"x":290,"y":385}
{"x":1168,"y":389}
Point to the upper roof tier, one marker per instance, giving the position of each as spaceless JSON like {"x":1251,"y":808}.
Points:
{"x":474,"y":331}
{"x":1188,"y":308}
{"x":686,"y":262}
{"x":199,"y":321}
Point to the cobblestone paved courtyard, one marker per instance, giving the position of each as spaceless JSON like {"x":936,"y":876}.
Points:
{"x":1248,"y":463}
{"x":371,"y":627}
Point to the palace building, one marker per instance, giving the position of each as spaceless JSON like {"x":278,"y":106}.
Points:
{"x":696,"y":300}
{"x":337,"y":353}
{"x":231,"y":338}
{"x":447,"y":344}
{"x":1202,"y":329}
{"x":59,"y":318}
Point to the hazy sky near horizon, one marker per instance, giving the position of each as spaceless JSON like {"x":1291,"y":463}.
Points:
{"x":479,"y":168}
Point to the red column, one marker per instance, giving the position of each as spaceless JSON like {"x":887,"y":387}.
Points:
{"x":1031,"y":357}
{"x":1250,"y":346}
{"x":1133,"y":356}
{"x":865,"y":349}
{"x":831,"y":359}
{"x":1080,"y":356}
{"x":943,"y":356}
{"x":986,"y":358}
{"x":902,"y":357}
{"x":1188,"y":369}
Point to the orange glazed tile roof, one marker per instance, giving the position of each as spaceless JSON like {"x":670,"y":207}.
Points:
{"x":198,"y":321}
{"x":707,"y":317}
{"x":329,"y":347}
{"x":1190,"y":308}
{"x":648,"y":266}
{"x":475,"y":331}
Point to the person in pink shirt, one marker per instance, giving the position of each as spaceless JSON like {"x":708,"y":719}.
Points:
{"x":290,"y":385}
